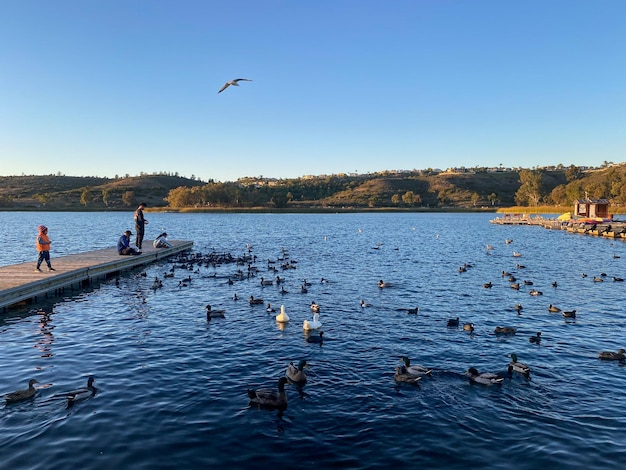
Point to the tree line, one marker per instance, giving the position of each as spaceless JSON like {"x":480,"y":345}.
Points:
{"x":530,"y":188}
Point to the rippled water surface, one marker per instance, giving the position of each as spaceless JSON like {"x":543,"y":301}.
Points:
{"x":172,"y":387}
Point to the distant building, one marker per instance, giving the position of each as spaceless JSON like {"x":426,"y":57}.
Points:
{"x":591,"y":208}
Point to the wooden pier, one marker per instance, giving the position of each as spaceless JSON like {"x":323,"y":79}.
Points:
{"x":21,"y":283}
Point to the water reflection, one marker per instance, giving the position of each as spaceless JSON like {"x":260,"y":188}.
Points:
{"x":45,"y":338}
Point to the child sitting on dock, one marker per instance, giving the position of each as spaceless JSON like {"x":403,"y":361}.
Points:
{"x":161,"y":241}
{"x":123,"y":245}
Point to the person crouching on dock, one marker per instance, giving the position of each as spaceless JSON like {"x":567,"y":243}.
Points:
{"x":123,"y":245}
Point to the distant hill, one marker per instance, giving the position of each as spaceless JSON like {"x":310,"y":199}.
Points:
{"x":53,"y":192}
{"x":442,"y":189}
{"x":430,"y":189}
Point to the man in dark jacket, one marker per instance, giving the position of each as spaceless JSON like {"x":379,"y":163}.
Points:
{"x":140,"y":223}
{"x":123,"y":245}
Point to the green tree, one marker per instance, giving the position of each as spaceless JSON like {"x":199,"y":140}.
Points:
{"x":598,"y":189}
{"x":558,"y":195}
{"x":475,"y":199}
{"x":529,"y":192}
{"x":574,"y":191}
{"x":279,"y":199}
{"x":408,"y":198}
{"x":180,"y":197}
{"x":42,"y":198}
{"x":444,"y":196}
{"x":106,"y":193}
{"x":128,"y":198}
{"x":85,"y":197}
{"x":573,"y":173}
{"x":617,"y":186}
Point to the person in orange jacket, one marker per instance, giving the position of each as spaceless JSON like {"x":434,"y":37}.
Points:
{"x":43,"y":247}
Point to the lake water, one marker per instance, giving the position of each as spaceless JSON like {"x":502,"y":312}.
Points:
{"x":172,"y":387}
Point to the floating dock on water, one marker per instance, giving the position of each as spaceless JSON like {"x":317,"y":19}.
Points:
{"x":21,"y":283}
{"x":615,"y":229}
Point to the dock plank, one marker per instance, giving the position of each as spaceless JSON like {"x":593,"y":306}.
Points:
{"x":20,"y":282}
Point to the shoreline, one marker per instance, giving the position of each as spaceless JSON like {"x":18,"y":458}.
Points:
{"x":324,"y":210}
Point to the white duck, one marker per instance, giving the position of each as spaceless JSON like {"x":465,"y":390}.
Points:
{"x":282,"y":317}
{"x":313,"y":324}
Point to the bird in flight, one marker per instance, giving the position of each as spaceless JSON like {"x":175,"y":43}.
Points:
{"x":234,"y":82}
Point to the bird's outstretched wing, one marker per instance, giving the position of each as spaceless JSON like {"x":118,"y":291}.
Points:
{"x":233,"y":82}
{"x":226,"y":85}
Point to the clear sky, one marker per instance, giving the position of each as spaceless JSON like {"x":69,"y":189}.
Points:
{"x":106,"y":87}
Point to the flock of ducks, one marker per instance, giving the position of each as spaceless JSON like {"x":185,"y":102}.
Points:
{"x":487,"y":378}
{"x":295,"y":374}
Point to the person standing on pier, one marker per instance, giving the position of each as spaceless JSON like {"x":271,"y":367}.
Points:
{"x":43,"y":247}
{"x":140,"y":223}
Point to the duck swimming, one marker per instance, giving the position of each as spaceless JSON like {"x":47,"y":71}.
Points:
{"x":210,"y":313}
{"x":554,"y":309}
{"x":570,"y":314}
{"x":282,"y":317}
{"x":402,"y":375}
{"x":468,"y":327}
{"x":269,"y":308}
{"x":270,"y":398}
{"x":412,"y":311}
{"x":295,"y":374}
{"x":520,"y":367}
{"x":535,"y":339}
{"x":82,"y":393}
{"x":313,"y":324}
{"x":505,"y":330}
{"x":453,"y":322}
{"x":383,"y":284}
{"x":415,"y":369}
{"x":485,"y":378}
{"x":613,"y":356}
{"x":364,"y":305}
{"x":254,"y":301}
{"x":20,"y":395}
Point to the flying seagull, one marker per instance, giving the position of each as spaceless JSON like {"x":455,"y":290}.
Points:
{"x":234,"y":82}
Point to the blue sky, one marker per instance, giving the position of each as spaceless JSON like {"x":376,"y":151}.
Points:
{"x":99,"y":88}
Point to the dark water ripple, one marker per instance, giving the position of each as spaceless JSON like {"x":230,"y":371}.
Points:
{"x":172,"y":386}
